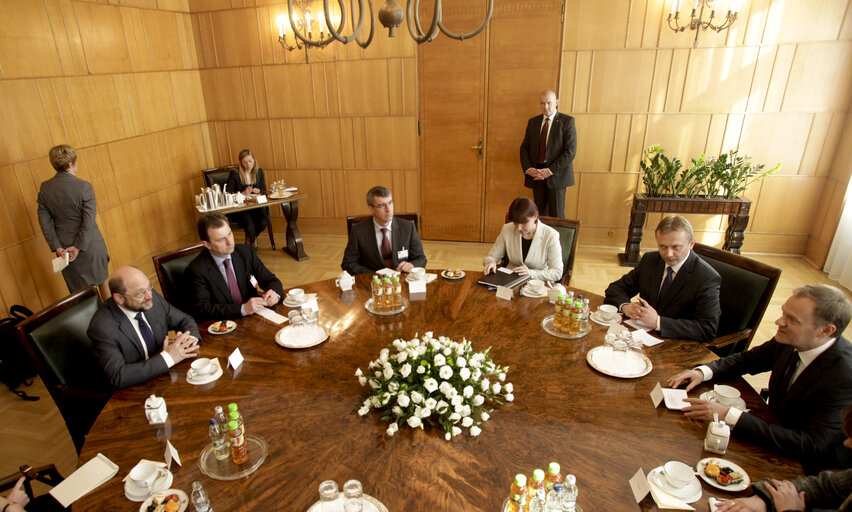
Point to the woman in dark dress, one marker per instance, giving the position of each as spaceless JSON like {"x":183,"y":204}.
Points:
{"x":249,"y":180}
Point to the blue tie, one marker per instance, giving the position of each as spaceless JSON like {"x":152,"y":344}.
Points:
{"x":666,"y":283}
{"x":147,"y":335}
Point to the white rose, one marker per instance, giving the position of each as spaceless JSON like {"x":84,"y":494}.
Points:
{"x":414,"y":422}
{"x":451,"y":393}
{"x":388,"y":372}
{"x":397,"y":410}
{"x":448,"y":351}
{"x":467,"y":421}
{"x":405,"y":370}
{"x":454,"y":417}
{"x":456,"y":400}
{"x":484,"y":416}
{"x":445,"y":387}
{"x":401,"y":357}
{"x":416,"y":397}
{"x":425,"y":412}
{"x":477,"y":373}
{"x":363,"y":410}
{"x":385,"y":398}
{"x":485,"y":384}
{"x":475,"y":431}
{"x":465,"y":411}
{"x":403,"y":400}
{"x":440,"y":360}
{"x":430,"y":385}
{"x":460,"y":362}
{"x":374,"y":384}
{"x":393,"y":386}
{"x":502,"y":377}
{"x":478,"y":400}
{"x":496,"y":387}
{"x":427,"y":334}
{"x":421,"y":349}
{"x":431,"y":403}
{"x":358,"y":372}
{"x":442,"y":407}
{"x":464,"y":373}
{"x":376,"y":402}
{"x":446,"y":372}
{"x":468,"y":391}
{"x":509,"y":388}
{"x":392,"y":429}
{"x":362,"y":380}
{"x":448,"y":436}
{"x":510,"y":397}
{"x":383,"y":355}
{"x":421,"y":369}
{"x":456,"y":431}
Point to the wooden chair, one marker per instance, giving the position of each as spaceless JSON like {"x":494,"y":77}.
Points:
{"x":170,"y":268}
{"x":747,"y":287}
{"x":48,"y":475}
{"x":355,"y":219}
{"x":569,"y":231}
{"x":56,"y":341}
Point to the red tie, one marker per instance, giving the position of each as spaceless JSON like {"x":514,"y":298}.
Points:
{"x":232,"y":283}
{"x":542,"y":141}
{"x":386,"y":249}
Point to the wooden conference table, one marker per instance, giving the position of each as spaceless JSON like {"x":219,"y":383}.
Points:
{"x":600,"y":428}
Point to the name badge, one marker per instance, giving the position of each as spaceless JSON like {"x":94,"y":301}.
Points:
{"x":402,"y":255}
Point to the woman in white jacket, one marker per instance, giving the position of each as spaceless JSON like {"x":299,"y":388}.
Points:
{"x":532,"y":247}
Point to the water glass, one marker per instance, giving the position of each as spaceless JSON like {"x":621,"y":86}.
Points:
{"x":328,"y":493}
{"x":296,"y":319}
{"x":310,"y":316}
{"x":353,"y":492}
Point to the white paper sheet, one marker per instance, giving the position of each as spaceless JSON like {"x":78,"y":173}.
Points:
{"x":272,"y":316}
{"x":86,"y":479}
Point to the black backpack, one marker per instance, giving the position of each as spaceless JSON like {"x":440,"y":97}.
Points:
{"x":15,"y":366}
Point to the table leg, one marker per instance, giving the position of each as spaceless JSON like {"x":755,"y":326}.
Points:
{"x":630,"y":256}
{"x":269,"y":228}
{"x":734,"y":235}
{"x":294,"y":238}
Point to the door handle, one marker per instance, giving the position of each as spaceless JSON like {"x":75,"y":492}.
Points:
{"x":479,"y":147}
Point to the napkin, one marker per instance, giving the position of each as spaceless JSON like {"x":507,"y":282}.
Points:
{"x":638,"y":324}
{"x":272,"y":316}
{"x":59,"y":263}
{"x":86,"y":479}
{"x":645,"y":338}
{"x":665,"y":500}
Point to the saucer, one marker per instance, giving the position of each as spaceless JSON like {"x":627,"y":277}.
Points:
{"x":452,"y":274}
{"x":162,"y":482}
{"x":739,"y":403}
{"x":230,"y":325}
{"x":688,"y":494}
{"x":292,"y":303}
{"x":183,"y":499}
{"x":198,"y":381}
{"x":428,"y":278}
{"x":530,"y":294}
{"x":600,"y":321}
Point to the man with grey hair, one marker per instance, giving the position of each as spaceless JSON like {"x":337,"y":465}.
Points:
{"x":809,"y":387}
{"x":678,"y":291}
{"x":382,"y":241}
{"x":547,"y":156}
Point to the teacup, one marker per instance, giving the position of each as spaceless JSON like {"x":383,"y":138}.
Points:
{"x":296,"y":295}
{"x":535,"y":286}
{"x":726,"y":395}
{"x":678,"y":474}
{"x":418,"y":273}
{"x":202,"y":367}
{"x":143,"y":475}
{"x":607,"y":312}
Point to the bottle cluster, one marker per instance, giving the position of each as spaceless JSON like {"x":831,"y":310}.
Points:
{"x":228,"y":433}
{"x":387,"y":293}
{"x":544,"y":492}
{"x":276,"y":188}
{"x":570,"y":315}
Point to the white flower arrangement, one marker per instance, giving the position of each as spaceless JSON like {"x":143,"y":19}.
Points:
{"x":451,"y":385}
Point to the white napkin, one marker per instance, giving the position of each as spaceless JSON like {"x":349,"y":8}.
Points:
{"x":638,"y":324}
{"x":86,"y":479}
{"x":59,"y":263}
{"x":646,"y":339}
{"x":665,"y":500}
{"x":272,"y":316}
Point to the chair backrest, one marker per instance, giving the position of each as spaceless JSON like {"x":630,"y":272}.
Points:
{"x":355,"y":219}
{"x":218,"y":175}
{"x":569,"y":231}
{"x":747,"y":287}
{"x":170,"y":268}
{"x":55,"y":339}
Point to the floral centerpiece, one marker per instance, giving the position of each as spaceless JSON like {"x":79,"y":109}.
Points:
{"x":428,"y":381}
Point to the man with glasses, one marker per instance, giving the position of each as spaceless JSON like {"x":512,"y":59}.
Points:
{"x":129,"y":331}
{"x":382,"y":241}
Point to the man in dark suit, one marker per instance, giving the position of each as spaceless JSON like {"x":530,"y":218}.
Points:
{"x":129,"y":331}
{"x":547,"y":156}
{"x":809,"y":387}
{"x":678,"y":291}
{"x":382,"y":241}
{"x":228,"y":280}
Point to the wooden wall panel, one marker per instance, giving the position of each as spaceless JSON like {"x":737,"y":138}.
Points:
{"x":584,"y":19}
{"x":237,"y":42}
{"x":801,"y":22}
{"x":713,"y":85}
{"x":317,"y":143}
{"x":157,"y":101}
{"x":289,"y":90}
{"x":776,"y":138}
{"x":254,"y":135}
{"x":162,"y":38}
{"x":188,"y":97}
{"x":223,"y":93}
{"x":95,"y":103}
{"x":401,"y":153}
{"x":605,"y":198}
{"x":366,"y":91}
{"x":26,"y":41}
{"x":23,"y":125}
{"x":795,"y":216}
{"x":820,"y":77}
{"x":103,"y":37}
{"x":611,"y":71}
{"x":595,"y":135}
{"x":681,"y":135}
{"x":131,"y":162}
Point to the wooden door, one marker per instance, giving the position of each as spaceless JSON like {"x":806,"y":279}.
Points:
{"x":481,"y":89}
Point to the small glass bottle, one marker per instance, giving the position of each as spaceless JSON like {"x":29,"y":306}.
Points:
{"x":376,"y":288}
{"x":585,"y":327}
{"x":569,"y":494}
{"x":220,"y":416}
{"x":199,"y":498}
{"x":219,"y":436}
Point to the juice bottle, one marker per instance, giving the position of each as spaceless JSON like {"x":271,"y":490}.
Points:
{"x":377,"y":293}
{"x":387,"y":293}
{"x":397,"y":292}
{"x":537,"y":486}
{"x":553,"y":475}
{"x":557,"y":313}
{"x":232,"y":411}
{"x":239,"y":450}
{"x":518,"y":496}
{"x":567,"y":314}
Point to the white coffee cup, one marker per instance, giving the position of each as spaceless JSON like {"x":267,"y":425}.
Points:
{"x":678,"y":474}
{"x":607,"y":312}
{"x":726,"y":395}
{"x":535,"y":286}
{"x":143,"y":475}
{"x":202,"y":367}
{"x":418,"y":273}
{"x":296,"y":295}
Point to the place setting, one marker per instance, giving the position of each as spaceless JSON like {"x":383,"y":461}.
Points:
{"x":725,"y":395}
{"x":606,"y":315}
{"x":296,"y":297}
{"x":145,"y":479}
{"x":534,"y":289}
{"x":676,"y":480}
{"x":204,"y":371}
{"x":419,"y":274}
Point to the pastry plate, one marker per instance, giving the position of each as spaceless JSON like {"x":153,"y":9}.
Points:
{"x":385,"y":312}
{"x":301,"y":336}
{"x":183,"y":500}
{"x":699,"y":468}
{"x":547,"y":325}
{"x":600,"y":321}
{"x":230,"y":325}
{"x":624,"y":364}
{"x":447,"y":274}
{"x":689,"y":494}
{"x":739,"y":403}
{"x":371,"y":504}
{"x":207,"y":379}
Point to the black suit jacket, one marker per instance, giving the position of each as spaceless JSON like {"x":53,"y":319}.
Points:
{"x":690,"y":309}
{"x":561,"y":148}
{"x":119,"y":349}
{"x":210,"y":292}
{"x":235,"y":185}
{"x":810,"y":412}
{"x":362,"y":251}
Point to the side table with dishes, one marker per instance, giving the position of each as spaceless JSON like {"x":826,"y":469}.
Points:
{"x":303,"y":402}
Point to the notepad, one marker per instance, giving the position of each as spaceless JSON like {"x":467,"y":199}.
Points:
{"x":86,"y":479}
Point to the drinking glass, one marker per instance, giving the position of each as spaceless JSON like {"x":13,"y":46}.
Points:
{"x":352,"y":492}
{"x":328,"y":493}
{"x":310,"y":316}
{"x":296,"y":318}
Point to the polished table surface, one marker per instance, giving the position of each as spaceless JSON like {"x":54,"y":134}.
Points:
{"x":600,"y":428}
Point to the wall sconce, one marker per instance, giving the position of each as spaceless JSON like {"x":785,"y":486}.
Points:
{"x":696,"y":17}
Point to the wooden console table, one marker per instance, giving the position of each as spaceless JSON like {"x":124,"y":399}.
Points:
{"x":737,"y":211}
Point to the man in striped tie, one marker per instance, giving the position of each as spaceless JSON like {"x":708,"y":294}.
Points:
{"x":678,"y":291}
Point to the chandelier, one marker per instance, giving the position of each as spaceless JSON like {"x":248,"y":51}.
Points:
{"x":696,"y":17}
{"x":316,"y":26}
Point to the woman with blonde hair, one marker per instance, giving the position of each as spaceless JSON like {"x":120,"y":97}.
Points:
{"x":249,"y":180}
